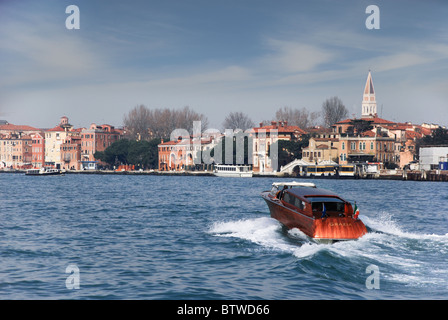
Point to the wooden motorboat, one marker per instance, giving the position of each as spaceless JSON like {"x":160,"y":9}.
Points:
{"x":319,"y":213}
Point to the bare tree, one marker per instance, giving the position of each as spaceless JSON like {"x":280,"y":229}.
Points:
{"x":185,"y":118}
{"x":297,"y":117}
{"x":137,"y":122}
{"x":333,"y":110}
{"x":143,"y":123}
{"x":237,"y":120}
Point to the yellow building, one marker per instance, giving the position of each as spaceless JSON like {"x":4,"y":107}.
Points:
{"x":321,"y":149}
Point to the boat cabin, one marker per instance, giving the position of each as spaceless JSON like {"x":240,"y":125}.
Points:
{"x":311,"y":201}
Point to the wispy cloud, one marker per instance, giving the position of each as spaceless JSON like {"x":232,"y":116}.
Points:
{"x":42,"y":56}
{"x":292,"y":56}
{"x":160,"y":55}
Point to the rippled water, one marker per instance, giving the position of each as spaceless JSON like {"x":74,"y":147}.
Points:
{"x":157,"y":237}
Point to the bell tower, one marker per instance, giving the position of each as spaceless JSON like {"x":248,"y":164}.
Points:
{"x":368,"y":100}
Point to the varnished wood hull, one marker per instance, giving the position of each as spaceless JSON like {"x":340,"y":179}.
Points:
{"x":327,"y":229}
{"x":337,"y":228}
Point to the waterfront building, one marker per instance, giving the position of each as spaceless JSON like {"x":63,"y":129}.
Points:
{"x":366,"y":148}
{"x":54,"y":138}
{"x":38,"y":150}
{"x":265,"y":136}
{"x":15,"y":151}
{"x":406,"y":136}
{"x":431,"y":157}
{"x":94,"y":139}
{"x":185,"y":152}
{"x":174,"y":155}
{"x":321,"y":149}
{"x":71,"y":153}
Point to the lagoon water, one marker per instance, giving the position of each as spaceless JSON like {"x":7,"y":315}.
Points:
{"x":185,"y":237}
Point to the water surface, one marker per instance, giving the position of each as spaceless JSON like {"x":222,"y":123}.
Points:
{"x":157,"y":237}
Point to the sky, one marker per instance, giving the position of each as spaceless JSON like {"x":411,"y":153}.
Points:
{"x":217,"y":57}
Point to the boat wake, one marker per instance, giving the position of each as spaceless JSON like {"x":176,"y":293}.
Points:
{"x":269,"y":234}
{"x":404,"y":257}
{"x":384,"y":223}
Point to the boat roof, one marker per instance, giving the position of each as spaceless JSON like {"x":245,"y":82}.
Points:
{"x":312,"y":192}
{"x":294,"y":184}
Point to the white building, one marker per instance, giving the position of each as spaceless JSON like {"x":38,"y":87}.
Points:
{"x":431,"y":156}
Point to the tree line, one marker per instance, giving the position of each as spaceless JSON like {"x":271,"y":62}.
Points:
{"x":143,"y":123}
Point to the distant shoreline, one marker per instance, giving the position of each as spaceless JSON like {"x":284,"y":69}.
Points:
{"x":434,"y":175}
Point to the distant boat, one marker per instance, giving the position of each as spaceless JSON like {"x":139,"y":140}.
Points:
{"x":236,"y":171}
{"x":44,"y":172}
{"x":319,"y":213}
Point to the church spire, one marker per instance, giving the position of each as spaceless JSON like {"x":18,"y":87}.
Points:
{"x":368,"y":100}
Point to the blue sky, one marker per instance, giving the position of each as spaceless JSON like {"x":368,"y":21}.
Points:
{"x":218,"y":57}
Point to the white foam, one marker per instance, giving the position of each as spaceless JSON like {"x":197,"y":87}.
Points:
{"x":385,"y":223}
{"x":266,"y":232}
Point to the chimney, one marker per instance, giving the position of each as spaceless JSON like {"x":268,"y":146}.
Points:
{"x":261,"y":124}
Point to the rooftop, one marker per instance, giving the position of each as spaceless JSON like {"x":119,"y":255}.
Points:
{"x":375,"y":120}
{"x":281,"y":126}
{"x":13,"y":127}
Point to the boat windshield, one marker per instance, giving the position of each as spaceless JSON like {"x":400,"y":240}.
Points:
{"x":277,"y":186}
{"x":331,"y":204}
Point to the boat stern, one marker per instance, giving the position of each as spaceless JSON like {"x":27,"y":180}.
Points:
{"x":338,"y":228}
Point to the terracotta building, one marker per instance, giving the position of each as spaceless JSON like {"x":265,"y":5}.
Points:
{"x":97,"y":138}
{"x":71,"y":153}
{"x":38,"y":150}
{"x":184,"y":153}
